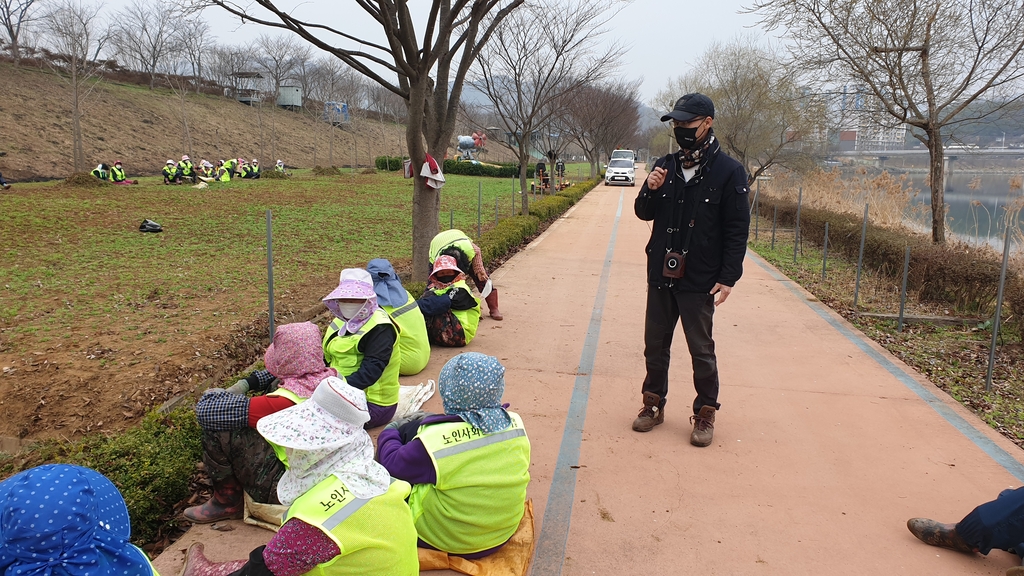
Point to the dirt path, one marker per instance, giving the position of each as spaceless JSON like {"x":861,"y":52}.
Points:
{"x":824,"y":446}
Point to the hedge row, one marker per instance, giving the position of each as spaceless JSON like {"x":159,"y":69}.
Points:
{"x":967,"y":279}
{"x":150,"y":464}
{"x":506,"y":170}
{"x":388,"y":163}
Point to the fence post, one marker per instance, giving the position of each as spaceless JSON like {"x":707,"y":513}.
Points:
{"x":495,"y":210}
{"x":796,"y":228}
{"x":999,"y":310}
{"x":270,"y":274}
{"x":824,"y":255}
{"x":775,"y":219}
{"x":757,"y":211}
{"x":860,"y":259}
{"x":903,"y":290}
{"x":479,"y":205}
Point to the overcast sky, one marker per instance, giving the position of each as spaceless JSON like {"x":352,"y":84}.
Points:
{"x":664,"y":37}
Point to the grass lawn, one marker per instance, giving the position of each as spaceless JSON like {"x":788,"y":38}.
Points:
{"x":99,"y":322}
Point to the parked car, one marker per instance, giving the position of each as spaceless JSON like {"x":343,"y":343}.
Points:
{"x":620,"y":171}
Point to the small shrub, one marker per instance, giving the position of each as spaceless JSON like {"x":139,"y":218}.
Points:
{"x":326,"y":171}
{"x":368,"y":171}
{"x":83,"y":180}
{"x":388,"y":163}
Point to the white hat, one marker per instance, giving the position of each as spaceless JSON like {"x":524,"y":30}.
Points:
{"x":335,"y":411}
{"x":170,"y":161}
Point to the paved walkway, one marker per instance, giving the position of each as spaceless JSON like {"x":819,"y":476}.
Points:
{"x":824,"y":446}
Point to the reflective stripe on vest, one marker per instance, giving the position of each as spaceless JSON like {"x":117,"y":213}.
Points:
{"x":279,"y":451}
{"x":354,"y":524}
{"x":478,"y":498}
{"x":412,"y":338}
{"x":452,"y":237}
{"x":342,"y":353}
{"x":186,"y":167}
{"x":117,"y":175}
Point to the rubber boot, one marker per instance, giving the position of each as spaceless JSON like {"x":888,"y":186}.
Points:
{"x":225,"y":504}
{"x":492,"y":305}
{"x":196,"y":564}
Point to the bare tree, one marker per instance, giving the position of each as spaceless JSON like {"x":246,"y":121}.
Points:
{"x":535,"y":59}
{"x":224,"y":62}
{"x":75,"y":39}
{"x":762,"y":115}
{"x":923,"y":61}
{"x":428,"y":72}
{"x":143,"y":33}
{"x":279,"y":58}
{"x":602,"y":116}
{"x":15,"y":15}
{"x":195,"y":44}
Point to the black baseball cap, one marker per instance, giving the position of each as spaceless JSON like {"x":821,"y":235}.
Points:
{"x":691,"y":106}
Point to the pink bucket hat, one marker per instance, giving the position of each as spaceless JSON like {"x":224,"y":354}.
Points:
{"x":296,"y":357}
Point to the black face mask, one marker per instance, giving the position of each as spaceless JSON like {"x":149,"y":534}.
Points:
{"x":686,"y":137}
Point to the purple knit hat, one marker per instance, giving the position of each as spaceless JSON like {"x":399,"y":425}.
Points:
{"x":356,"y":283}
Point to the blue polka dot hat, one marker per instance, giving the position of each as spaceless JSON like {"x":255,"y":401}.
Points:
{"x":471,"y":385}
{"x":64,"y":520}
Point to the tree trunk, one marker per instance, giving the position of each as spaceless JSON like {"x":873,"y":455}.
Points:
{"x":78,"y":153}
{"x":936,"y":177}
{"x":524,"y":159}
{"x":426,"y":206}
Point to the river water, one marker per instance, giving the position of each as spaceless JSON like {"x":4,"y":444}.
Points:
{"x":977,"y":204}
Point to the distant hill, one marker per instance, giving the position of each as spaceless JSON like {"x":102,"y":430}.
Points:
{"x":143,"y":129}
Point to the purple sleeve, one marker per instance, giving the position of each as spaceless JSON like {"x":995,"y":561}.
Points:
{"x":409,"y":462}
{"x":298,"y":548}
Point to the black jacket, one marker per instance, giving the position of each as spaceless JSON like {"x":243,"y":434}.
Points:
{"x":720,"y":194}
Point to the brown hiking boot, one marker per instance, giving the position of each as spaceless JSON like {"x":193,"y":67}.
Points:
{"x":703,"y":426}
{"x":651,"y":414}
{"x":937,"y":534}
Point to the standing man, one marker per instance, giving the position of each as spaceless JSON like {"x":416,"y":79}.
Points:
{"x":697,"y":199}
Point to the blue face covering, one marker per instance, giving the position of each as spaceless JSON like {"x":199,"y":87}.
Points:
{"x":386,"y":283}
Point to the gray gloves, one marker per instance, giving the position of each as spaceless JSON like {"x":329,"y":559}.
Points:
{"x":240,"y":387}
{"x":399,"y":422}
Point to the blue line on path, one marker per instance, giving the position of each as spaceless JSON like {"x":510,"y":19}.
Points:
{"x":554,"y":532}
{"x":1002,"y":457}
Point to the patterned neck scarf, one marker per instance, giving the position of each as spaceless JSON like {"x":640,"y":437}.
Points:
{"x":691,"y":158}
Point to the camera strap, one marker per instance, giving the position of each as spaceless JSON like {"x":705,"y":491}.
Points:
{"x":689,"y":233}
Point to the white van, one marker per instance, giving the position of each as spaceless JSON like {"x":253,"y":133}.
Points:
{"x":627,"y":154}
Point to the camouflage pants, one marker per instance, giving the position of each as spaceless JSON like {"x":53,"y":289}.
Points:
{"x":246,"y":456}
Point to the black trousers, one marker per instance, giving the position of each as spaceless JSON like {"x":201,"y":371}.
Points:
{"x":695,"y":309}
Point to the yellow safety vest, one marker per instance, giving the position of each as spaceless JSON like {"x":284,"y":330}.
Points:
{"x":470,"y":319}
{"x":452,"y":237}
{"x":284,"y":393}
{"x":341,"y":351}
{"x":413,"y":338}
{"x":480,"y":493}
{"x":375,"y":536}
{"x":186,"y":167}
{"x":117,"y":175}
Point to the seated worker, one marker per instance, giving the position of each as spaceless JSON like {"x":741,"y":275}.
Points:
{"x":187,"y":170}
{"x":4,"y":183}
{"x":205,"y":169}
{"x":78,"y":524}
{"x":117,"y":175}
{"x":224,"y":171}
{"x":345,"y":514}
{"x":453,"y":323}
{"x":101,"y":171}
{"x":469,"y":467}
{"x":456,"y":243}
{"x":996,"y":524}
{"x":279,"y":167}
{"x":254,"y":168}
{"x":235,"y":455}
{"x":172,"y":174}
{"x":403,"y":309}
{"x":362,"y":344}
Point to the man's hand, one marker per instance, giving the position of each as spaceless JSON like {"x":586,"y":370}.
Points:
{"x":656,"y":178}
{"x":723,"y":292}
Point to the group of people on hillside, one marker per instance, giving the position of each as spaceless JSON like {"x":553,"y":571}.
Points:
{"x":295,"y":434}
{"x":184,"y":171}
